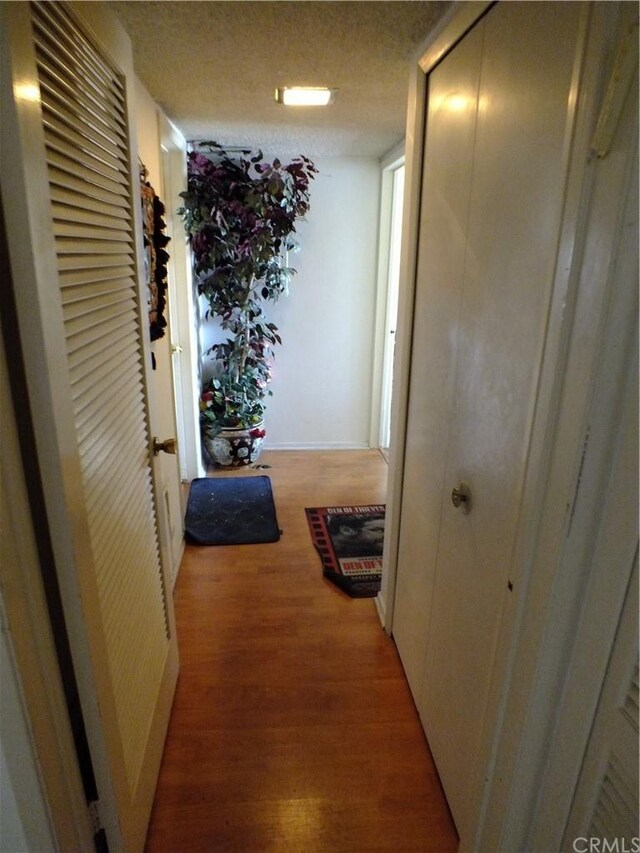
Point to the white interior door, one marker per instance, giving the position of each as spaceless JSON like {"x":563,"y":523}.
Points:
{"x":182,"y":300}
{"x":162,"y":400}
{"x":75,"y":243}
{"x":495,"y":162}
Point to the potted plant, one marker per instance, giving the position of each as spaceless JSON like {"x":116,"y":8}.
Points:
{"x":239,"y":213}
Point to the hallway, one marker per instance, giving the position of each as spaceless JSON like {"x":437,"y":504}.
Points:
{"x":293,"y":728}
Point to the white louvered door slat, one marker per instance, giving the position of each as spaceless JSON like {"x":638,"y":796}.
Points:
{"x":100,"y":331}
{"x":66,"y":180}
{"x":94,"y":172}
{"x":81,"y":246}
{"x":113,"y":547}
{"x":88,"y":118}
{"x":84,"y":358}
{"x":63,"y":136}
{"x":96,"y":369}
{"x":82,"y":307}
{"x":92,"y":183}
{"x":93,"y":85}
{"x":80,"y":120}
{"x":75,"y":297}
{"x":69,"y":93}
{"x":95,"y":443}
{"x":99,"y":319}
{"x":75,"y":214}
{"x":73,"y":41}
{"x":92,"y":427}
{"x":69,"y":227}
{"x":92,"y":205}
{"x":91,"y":261}
{"x":606,"y":801}
{"x":101,"y":371}
{"x":69,"y":279}
{"x":71,"y":87}
{"x":94,"y":320}
{"x":98,"y":348}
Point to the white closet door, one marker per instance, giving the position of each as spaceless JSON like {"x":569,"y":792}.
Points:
{"x":83,"y":311}
{"x":516,"y":204}
{"x":450,"y":135}
{"x":488,"y":250}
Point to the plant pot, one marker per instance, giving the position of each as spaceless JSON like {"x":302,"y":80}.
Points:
{"x":234,"y":447}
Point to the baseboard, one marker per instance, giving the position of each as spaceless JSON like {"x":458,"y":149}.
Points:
{"x":320,"y":445}
{"x":381,"y":607}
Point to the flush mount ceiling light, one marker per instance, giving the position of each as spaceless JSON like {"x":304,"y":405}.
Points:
{"x":304,"y":96}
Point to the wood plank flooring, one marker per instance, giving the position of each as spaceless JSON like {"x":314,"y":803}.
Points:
{"x":293,"y":728}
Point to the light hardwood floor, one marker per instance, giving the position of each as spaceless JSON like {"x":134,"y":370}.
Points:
{"x":293,"y":728}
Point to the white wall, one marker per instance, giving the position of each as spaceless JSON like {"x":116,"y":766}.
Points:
{"x":322,"y":373}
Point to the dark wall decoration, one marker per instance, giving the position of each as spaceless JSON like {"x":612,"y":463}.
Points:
{"x":155,"y":254}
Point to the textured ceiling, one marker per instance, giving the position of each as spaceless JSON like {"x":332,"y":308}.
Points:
{"x":213,"y":68}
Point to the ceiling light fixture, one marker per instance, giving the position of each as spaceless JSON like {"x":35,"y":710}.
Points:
{"x":304,"y":96}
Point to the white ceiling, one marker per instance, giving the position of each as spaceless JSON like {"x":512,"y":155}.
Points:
{"x":213,"y":68}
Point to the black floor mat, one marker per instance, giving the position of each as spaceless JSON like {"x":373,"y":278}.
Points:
{"x":231,"y":511}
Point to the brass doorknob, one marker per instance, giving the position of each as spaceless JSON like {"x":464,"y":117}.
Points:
{"x":167,"y":446}
{"x":461,"y":497}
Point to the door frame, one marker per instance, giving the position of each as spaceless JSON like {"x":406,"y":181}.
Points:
{"x":389,"y":165}
{"x":182,"y":301}
{"x":554,"y":395}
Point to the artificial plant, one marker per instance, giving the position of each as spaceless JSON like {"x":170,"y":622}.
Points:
{"x":240,"y":213}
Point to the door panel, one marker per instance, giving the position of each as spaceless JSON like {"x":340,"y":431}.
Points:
{"x":451,"y":120}
{"x":516,"y":202}
{"x":162,"y":408}
{"x":475,"y":365}
{"x":80,"y":317}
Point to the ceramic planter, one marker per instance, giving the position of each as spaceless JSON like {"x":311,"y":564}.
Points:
{"x":234,"y":447}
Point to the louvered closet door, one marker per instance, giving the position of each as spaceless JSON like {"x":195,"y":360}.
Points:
{"x":93,"y":311}
{"x":606,"y":800}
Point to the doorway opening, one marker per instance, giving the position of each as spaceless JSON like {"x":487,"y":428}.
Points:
{"x":390,"y":239}
{"x":391,"y":314}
